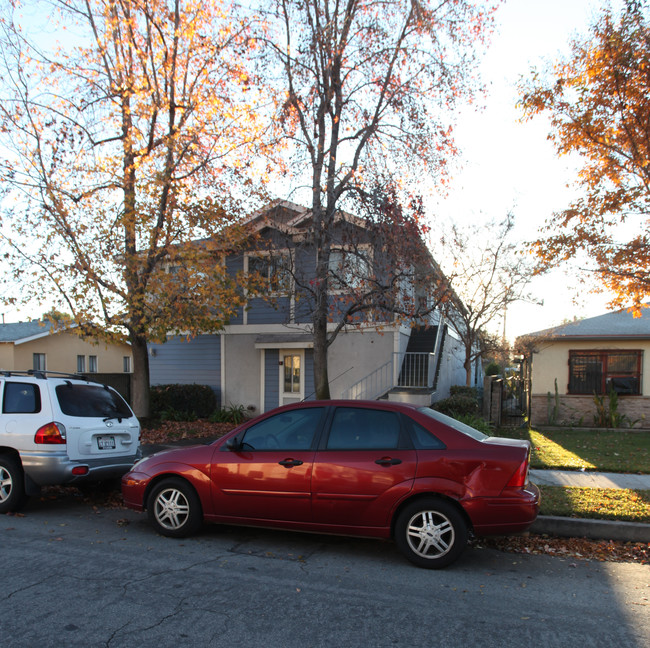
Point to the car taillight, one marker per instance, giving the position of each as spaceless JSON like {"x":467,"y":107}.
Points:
{"x":50,"y":433}
{"x":520,"y":478}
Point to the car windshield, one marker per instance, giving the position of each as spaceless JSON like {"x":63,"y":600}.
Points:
{"x":453,"y":423}
{"x":91,"y":400}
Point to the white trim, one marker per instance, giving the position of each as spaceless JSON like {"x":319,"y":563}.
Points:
{"x":262,"y":381}
{"x":223,"y":370}
{"x":290,"y":397}
{"x":284,"y":345}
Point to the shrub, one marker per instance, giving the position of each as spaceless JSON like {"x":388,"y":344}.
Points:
{"x":232,"y":414}
{"x":493,"y":369}
{"x":477,"y":422}
{"x":463,"y":390}
{"x":182,"y":402}
{"x":458,"y":405}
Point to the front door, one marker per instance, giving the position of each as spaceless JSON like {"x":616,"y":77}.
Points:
{"x":292,"y":376}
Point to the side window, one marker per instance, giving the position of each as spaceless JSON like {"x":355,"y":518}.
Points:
{"x":292,"y":430}
{"x":422,"y":438}
{"x":21,"y":398}
{"x":364,"y":429}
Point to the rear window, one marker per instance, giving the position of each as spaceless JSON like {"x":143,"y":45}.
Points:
{"x":91,"y":400}
{"x":453,"y":423}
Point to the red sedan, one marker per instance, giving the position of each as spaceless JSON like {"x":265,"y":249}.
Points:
{"x":372,"y":468}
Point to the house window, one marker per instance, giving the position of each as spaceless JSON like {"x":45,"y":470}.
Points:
{"x":348,"y":269}
{"x":126,"y":364}
{"x":81,"y":364}
{"x":601,"y":371}
{"x":273,"y":271}
{"x":92,"y":364}
{"x":39,"y":362}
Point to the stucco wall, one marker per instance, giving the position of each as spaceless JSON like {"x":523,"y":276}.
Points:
{"x":61,"y":351}
{"x":552,"y":362}
{"x":354,"y":355}
{"x":451,"y":367}
{"x":7,"y":356}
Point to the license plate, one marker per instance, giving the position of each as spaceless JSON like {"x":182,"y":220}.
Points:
{"x":106,"y":442}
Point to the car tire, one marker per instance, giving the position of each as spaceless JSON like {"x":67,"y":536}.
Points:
{"x":12,"y":485}
{"x":174,"y":508}
{"x":431,"y":533}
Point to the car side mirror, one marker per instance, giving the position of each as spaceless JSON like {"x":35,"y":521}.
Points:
{"x":233,"y":444}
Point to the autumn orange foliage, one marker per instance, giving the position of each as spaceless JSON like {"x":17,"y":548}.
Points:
{"x":598,"y":101}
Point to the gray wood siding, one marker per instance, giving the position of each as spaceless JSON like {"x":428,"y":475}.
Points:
{"x":186,"y":362}
{"x":271,"y":379}
{"x":261,"y":311}
{"x":235,"y":265}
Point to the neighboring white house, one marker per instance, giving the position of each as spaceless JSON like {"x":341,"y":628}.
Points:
{"x":264,"y":356}
{"x":568,"y":365}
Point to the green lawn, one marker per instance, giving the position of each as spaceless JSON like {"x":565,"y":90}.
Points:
{"x":598,"y":503}
{"x":599,"y":450}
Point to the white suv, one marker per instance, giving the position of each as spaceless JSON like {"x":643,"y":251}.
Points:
{"x":59,"y":429}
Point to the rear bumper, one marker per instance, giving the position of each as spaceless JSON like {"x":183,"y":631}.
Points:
{"x":512,"y":512}
{"x":50,"y":468}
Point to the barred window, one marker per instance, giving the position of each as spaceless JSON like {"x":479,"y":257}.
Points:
{"x":601,"y":371}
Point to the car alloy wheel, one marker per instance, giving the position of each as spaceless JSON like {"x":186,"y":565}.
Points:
{"x":431,"y":533}
{"x":12,"y":488}
{"x":174,"y":508}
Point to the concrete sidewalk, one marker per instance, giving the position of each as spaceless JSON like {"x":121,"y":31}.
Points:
{"x":585,"y":528}
{"x":590,"y":479}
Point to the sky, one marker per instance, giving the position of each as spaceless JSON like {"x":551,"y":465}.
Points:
{"x":511,"y":166}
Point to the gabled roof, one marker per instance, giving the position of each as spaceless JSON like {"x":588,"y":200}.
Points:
{"x":617,"y":325}
{"x":24,"y":331}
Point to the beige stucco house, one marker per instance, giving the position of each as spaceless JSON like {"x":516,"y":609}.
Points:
{"x":568,"y":365}
{"x":37,"y":345}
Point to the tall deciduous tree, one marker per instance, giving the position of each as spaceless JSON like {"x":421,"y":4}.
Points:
{"x":488,"y":273}
{"x":119,"y":145}
{"x":598,"y":100}
{"x":366,"y":86}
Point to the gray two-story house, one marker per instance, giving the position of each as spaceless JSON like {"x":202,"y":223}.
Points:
{"x":263,"y":357}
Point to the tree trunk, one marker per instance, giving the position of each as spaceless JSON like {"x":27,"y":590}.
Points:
{"x":140,"y":383}
{"x":468,"y":368}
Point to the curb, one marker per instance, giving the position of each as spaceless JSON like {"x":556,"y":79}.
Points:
{"x":593,"y":529}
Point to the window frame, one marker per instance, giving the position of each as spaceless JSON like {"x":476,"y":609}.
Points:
{"x":93,"y":364}
{"x":81,"y":364}
{"x":276,"y":264}
{"x":603,"y":357}
{"x":361,"y":254}
{"x":39,"y":359}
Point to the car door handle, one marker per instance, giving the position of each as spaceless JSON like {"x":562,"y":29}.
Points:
{"x":388,"y":461}
{"x":289,"y":463}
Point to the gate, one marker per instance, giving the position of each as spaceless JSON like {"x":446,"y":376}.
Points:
{"x":514,"y":401}
{"x":506,"y":401}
